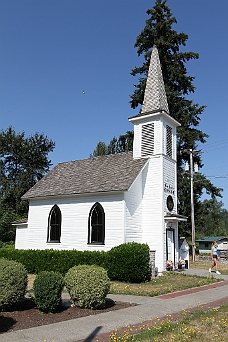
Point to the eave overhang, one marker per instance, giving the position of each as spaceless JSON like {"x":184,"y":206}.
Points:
{"x":175,"y":217}
{"x":152,"y":115}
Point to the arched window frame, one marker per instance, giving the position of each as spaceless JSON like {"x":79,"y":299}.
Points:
{"x":96,"y":225}
{"x":54,"y":229}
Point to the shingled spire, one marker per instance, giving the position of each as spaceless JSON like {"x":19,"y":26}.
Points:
{"x":155,"y":96}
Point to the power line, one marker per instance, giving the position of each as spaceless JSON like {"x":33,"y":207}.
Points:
{"x":209,"y":147}
{"x":216,"y":143}
{"x":215,"y":167}
{"x":215,"y":149}
{"x":220,"y":176}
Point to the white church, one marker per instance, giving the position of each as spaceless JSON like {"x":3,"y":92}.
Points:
{"x":99,"y":203}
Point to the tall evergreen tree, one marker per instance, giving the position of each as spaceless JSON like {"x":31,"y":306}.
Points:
{"x":178,"y":83}
{"x":23,"y":161}
{"x":179,"y":86}
{"x":100,"y":150}
{"x":123,"y":144}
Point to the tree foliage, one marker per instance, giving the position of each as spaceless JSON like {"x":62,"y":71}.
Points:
{"x":179,"y":86}
{"x":211,"y":219}
{"x":23,"y":162}
{"x":201,"y":185}
{"x":123,"y":144}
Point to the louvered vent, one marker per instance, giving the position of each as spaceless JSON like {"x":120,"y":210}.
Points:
{"x":147,"y":147}
{"x":169,"y":142}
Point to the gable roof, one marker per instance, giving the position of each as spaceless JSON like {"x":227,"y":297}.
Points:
{"x":101,"y":174}
{"x":211,"y":238}
{"x":20,"y":222}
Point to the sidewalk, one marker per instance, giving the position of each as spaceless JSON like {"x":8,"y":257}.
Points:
{"x":98,"y":327}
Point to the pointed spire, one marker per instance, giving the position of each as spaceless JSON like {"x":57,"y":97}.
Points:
{"x":155,"y":96}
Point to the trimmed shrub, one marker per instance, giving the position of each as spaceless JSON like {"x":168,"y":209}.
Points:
{"x":129,"y":262}
{"x":88,"y":286}
{"x":48,"y":288}
{"x":13,"y":282}
{"x":9,"y":244}
{"x":36,"y":261}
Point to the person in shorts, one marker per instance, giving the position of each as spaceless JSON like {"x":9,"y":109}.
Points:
{"x":214,"y":256}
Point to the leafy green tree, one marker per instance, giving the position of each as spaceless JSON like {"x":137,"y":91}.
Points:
{"x":201,"y":184}
{"x":23,"y":162}
{"x":7,"y":231}
{"x":225,"y":217}
{"x":211,"y":219}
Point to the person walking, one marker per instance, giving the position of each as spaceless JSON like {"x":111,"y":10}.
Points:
{"x":214,"y":256}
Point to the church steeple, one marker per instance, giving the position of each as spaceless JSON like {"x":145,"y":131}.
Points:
{"x":155,"y":96}
{"x":154,"y":128}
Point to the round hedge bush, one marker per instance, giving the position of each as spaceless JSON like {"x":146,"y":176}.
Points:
{"x":13,"y":282}
{"x":48,"y":288}
{"x":129,"y":262}
{"x":88,"y":286}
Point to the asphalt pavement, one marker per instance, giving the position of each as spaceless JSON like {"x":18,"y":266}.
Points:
{"x":98,"y":327}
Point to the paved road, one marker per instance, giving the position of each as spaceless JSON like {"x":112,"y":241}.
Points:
{"x":98,"y":327}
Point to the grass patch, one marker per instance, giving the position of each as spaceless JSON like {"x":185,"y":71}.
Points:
{"x":31,"y":278}
{"x":203,"y":325}
{"x":166,"y":283}
{"x":223,"y":268}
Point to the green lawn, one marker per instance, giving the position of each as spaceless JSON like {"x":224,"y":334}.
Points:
{"x":166,"y":283}
{"x":202,"y":326}
{"x":205,"y":326}
{"x":223,"y":268}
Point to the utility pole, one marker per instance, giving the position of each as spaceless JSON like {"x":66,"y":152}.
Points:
{"x":191,"y":153}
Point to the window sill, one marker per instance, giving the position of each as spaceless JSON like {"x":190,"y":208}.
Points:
{"x":50,"y":242}
{"x":96,"y":244}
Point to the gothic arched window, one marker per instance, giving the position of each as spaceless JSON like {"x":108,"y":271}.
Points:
{"x":54,"y":224}
{"x":96,"y":226}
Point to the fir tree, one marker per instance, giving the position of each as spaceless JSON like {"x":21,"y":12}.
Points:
{"x":179,"y":87}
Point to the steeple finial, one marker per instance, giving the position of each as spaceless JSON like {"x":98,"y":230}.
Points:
{"x":155,"y":95}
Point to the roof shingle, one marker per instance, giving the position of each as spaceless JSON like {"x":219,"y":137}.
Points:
{"x":102,"y":174}
{"x":155,"y":96}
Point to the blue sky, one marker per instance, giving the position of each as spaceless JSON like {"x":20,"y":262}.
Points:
{"x":53,"y":50}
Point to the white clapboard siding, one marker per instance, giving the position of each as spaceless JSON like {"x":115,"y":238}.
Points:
{"x":74,"y":229}
{"x":133,"y":200}
{"x":170,"y":186}
{"x":21,"y":239}
{"x":136,"y":215}
{"x":153,"y":218}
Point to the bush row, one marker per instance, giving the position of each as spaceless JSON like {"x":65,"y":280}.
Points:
{"x":127,"y":262}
